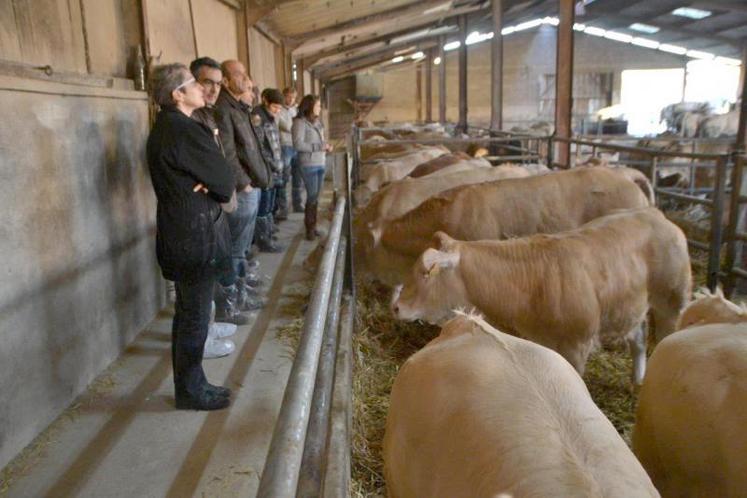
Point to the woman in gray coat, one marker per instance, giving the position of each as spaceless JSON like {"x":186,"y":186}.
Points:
{"x":308,"y":140}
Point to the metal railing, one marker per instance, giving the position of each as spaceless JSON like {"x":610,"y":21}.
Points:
{"x":735,"y":235}
{"x":309,"y":454}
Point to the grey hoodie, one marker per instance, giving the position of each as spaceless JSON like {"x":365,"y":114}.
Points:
{"x":308,"y":140}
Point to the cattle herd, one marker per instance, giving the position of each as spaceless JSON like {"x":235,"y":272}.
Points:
{"x":528,"y":270}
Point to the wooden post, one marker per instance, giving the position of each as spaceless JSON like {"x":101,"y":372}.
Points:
{"x":429,"y":86}
{"x":419,"y":92}
{"x":462,"y":125}
{"x":742,"y":133}
{"x":564,"y":80}
{"x":496,"y":66}
{"x":442,"y":82}
{"x":299,"y":78}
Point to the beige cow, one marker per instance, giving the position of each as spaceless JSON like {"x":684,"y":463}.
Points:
{"x":401,"y":196}
{"x":710,"y":307}
{"x":691,"y":422}
{"x":376,"y":175}
{"x":481,"y":414}
{"x":499,"y":210}
{"x":564,"y":291}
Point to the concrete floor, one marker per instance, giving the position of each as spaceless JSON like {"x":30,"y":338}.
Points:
{"x":124,"y":438}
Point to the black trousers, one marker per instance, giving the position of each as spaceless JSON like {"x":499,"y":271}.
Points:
{"x":188,"y":333}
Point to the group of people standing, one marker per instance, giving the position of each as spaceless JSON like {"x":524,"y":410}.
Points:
{"x":220,"y":162}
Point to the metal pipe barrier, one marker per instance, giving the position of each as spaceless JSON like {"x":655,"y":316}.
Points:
{"x":312,"y":464}
{"x":735,"y":236}
{"x":282,"y":466}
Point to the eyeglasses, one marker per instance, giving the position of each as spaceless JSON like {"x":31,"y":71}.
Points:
{"x":186,"y":83}
{"x":209,"y":82}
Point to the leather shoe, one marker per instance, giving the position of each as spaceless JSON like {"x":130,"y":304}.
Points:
{"x":205,"y":400}
{"x":219,"y":390}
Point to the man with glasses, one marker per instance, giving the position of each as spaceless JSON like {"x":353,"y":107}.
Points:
{"x":191,"y":179}
{"x":240,"y":144}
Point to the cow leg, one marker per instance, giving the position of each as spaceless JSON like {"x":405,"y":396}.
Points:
{"x":637,"y":346}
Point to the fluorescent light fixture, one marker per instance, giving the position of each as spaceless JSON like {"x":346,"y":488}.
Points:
{"x":417,"y":55}
{"x":579,"y":27}
{"x":728,"y":61}
{"x":691,"y":13}
{"x":553,"y":21}
{"x":529,"y":24}
{"x":438,"y":8}
{"x":621,"y":37}
{"x":397,"y":59}
{"x":697,"y":54}
{"x":410,"y":36}
{"x":452,"y":45}
{"x":591,"y":30}
{"x":476,"y":37}
{"x":644,"y":28}
{"x":645,"y":42}
{"x":672,"y":49}
{"x":437,"y":61}
{"x":508,"y":30}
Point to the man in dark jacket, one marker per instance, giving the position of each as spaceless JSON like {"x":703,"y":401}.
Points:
{"x":240,"y":143}
{"x":269,"y":144}
{"x":191,"y":178}
{"x":243,"y":297}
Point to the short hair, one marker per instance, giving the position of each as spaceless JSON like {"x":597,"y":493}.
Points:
{"x":164,"y":79}
{"x":289,"y":90}
{"x":196,"y":64}
{"x":272,"y":96}
{"x":306,"y":107}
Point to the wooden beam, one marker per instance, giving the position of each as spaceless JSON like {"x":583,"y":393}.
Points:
{"x":564,"y":80}
{"x":254,"y":13}
{"x":742,"y":131}
{"x":462,"y":124}
{"x":299,"y":79}
{"x":419,"y":70}
{"x":387,"y":15}
{"x":366,"y":62}
{"x":441,"y":81}
{"x":496,"y":68}
{"x":428,"y":68}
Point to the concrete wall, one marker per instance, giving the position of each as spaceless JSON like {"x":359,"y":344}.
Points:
{"x":79,"y":271}
{"x":528,"y":56}
{"x":80,"y":277}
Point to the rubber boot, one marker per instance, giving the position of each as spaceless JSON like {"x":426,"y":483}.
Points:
{"x":263,"y":236}
{"x":309,"y":220}
{"x":226,"y":309}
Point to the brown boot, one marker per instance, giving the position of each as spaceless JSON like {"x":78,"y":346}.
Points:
{"x":309,"y":220}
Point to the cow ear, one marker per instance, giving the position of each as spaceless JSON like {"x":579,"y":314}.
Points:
{"x":443,"y":242}
{"x":434,"y":260}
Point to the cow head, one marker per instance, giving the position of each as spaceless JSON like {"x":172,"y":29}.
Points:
{"x":435,"y":286}
{"x":708,"y":308}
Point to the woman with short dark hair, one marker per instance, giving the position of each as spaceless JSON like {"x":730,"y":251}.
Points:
{"x":191,"y":178}
{"x":309,"y":142}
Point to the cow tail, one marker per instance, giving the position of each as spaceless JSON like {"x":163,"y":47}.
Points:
{"x":643,"y":183}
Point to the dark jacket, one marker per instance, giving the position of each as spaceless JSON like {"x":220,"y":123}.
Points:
{"x":241,"y":143}
{"x":191,"y":227}
{"x":206,"y":116}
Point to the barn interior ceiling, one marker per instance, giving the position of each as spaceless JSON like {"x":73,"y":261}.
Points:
{"x":338,"y":37}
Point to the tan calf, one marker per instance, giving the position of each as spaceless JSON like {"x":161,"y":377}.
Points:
{"x":564,"y":291}
{"x":480,"y":414}
{"x":499,"y":210}
{"x":711,"y":308}
{"x":691,"y":423}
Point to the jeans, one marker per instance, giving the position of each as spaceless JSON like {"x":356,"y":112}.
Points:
{"x":296,"y":182}
{"x":194,"y":298}
{"x":266,"y":202}
{"x":313,"y":178}
{"x":241,"y":223}
{"x":281,"y":191}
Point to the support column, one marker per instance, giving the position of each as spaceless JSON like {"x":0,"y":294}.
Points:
{"x":419,"y":69}
{"x":442,"y":81}
{"x":742,"y":131}
{"x":429,"y":86}
{"x":299,"y":79}
{"x":564,"y":80}
{"x":496,"y":66}
{"x":462,"y":125}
